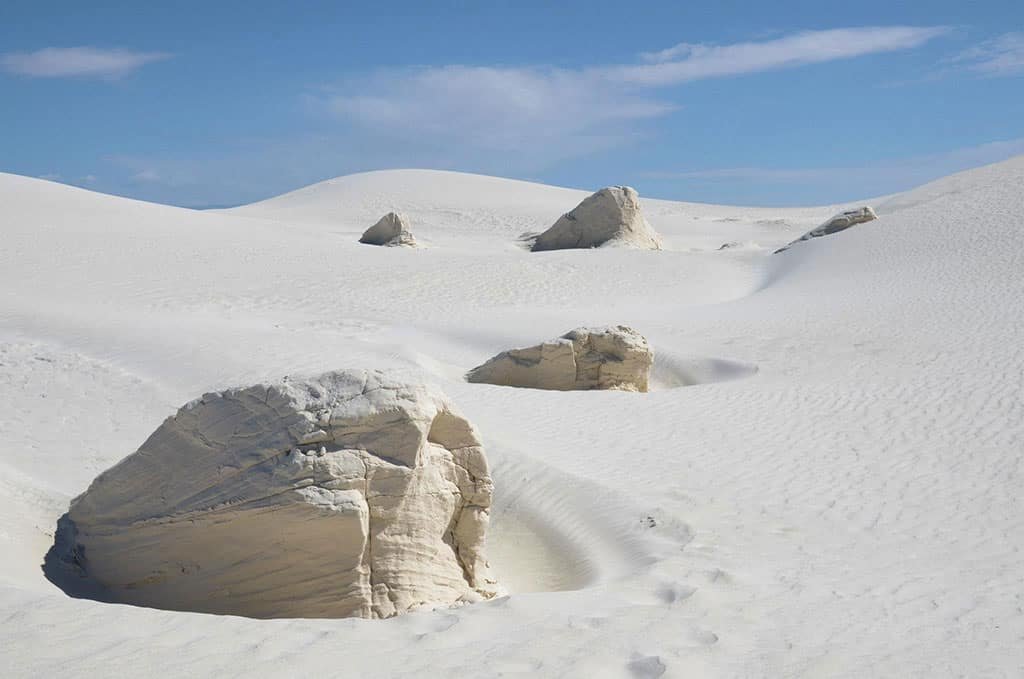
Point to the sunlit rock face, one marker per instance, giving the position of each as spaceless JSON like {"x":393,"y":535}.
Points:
{"x":613,"y":357}
{"x":355,"y":493}
{"x":609,"y":217}
{"x":390,"y":230}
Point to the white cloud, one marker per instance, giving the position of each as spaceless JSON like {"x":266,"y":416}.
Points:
{"x":686,"y":62}
{"x":496,"y":108}
{"x":1001,"y":56}
{"x":682,"y":50}
{"x":555,"y":113}
{"x":84,"y":62}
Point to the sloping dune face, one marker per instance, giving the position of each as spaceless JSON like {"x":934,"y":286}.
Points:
{"x":351,"y":494}
{"x":851,"y":507}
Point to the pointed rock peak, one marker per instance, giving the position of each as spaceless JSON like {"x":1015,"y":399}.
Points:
{"x":610,"y":217}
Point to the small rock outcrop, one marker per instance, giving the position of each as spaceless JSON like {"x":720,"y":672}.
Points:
{"x":609,"y":217}
{"x":614,"y":357}
{"x":355,"y":493}
{"x":391,"y":230}
{"x":840,"y":222}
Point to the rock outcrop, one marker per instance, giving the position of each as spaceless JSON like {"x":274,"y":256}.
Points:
{"x":614,"y":357}
{"x":609,"y":217}
{"x":840,"y":222}
{"x":392,"y":229}
{"x":356,"y":493}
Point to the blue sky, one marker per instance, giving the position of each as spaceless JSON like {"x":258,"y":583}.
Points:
{"x":219,"y":103}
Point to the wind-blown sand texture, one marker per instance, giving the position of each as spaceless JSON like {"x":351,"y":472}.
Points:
{"x":823,"y":481}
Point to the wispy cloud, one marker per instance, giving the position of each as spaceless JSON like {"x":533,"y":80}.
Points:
{"x":495,"y":108}
{"x":503,"y":120}
{"x":686,"y":62}
{"x":852,"y":181}
{"x":1000,"y":56}
{"x":80,"y":62}
{"x":147,"y":175}
{"x":553,"y":112}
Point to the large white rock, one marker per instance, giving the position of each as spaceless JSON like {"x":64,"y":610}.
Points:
{"x":392,"y":229}
{"x":614,"y":357}
{"x":609,"y":217}
{"x":355,"y":493}
{"x":840,"y":222}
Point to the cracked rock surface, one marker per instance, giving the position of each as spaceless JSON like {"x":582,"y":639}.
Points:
{"x":391,"y":230}
{"x":609,"y":217}
{"x":613,"y":357}
{"x":355,"y":493}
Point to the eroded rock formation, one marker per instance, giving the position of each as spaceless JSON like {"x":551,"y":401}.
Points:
{"x":614,"y":357}
{"x":356,"y":493}
{"x":391,"y":230}
{"x":609,"y":217}
{"x":840,"y":222}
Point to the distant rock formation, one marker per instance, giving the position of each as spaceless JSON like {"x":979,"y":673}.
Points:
{"x":609,"y":217}
{"x":392,"y":229}
{"x":840,"y":222}
{"x":355,"y":493}
{"x":614,"y":357}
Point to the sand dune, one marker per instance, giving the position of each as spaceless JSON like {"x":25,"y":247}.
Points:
{"x":850,"y":507}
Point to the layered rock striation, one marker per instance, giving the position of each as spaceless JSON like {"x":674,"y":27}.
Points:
{"x":355,"y":493}
{"x":613,"y":357}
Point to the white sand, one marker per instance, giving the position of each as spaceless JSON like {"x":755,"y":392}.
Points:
{"x":838,"y":496}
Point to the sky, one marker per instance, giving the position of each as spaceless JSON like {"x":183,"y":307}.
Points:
{"x":206,"y":104}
